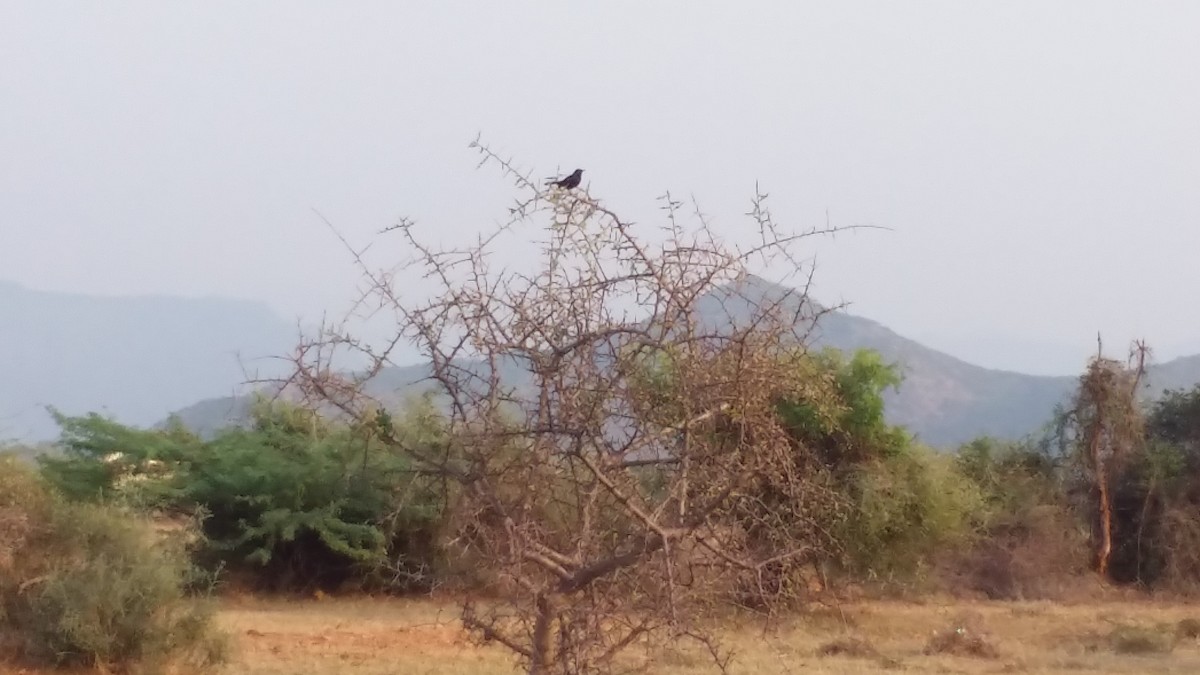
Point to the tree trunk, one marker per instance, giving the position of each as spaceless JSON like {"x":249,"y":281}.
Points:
{"x":542,"y":660}
{"x":1105,"y":550}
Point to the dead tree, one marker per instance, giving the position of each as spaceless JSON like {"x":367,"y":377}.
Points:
{"x":1107,"y":424}
{"x":602,"y":417}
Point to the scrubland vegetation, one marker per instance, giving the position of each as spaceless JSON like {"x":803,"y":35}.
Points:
{"x":664,"y":489}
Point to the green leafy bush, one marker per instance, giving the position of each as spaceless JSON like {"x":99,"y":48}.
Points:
{"x":1159,"y":528}
{"x":1030,"y":542}
{"x":874,"y":504}
{"x":94,"y":584}
{"x":909,"y":507}
{"x":853,"y":429}
{"x":292,"y":502}
{"x":897,"y":502}
{"x":100,"y":459}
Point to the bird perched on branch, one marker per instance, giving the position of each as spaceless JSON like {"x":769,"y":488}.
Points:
{"x":569,"y":182}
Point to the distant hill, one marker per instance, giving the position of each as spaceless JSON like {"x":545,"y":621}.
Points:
{"x":943,"y":400}
{"x":135,"y":358}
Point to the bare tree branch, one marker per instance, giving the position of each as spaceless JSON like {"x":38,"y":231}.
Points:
{"x":610,"y":410}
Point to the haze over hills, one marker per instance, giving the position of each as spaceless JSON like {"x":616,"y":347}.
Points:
{"x":139,"y":359}
{"x":134,"y":358}
{"x":944,"y":400}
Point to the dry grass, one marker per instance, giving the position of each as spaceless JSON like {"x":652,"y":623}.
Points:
{"x":372,"y":637}
{"x":380,"y":636}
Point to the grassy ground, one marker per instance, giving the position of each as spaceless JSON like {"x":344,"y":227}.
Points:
{"x":373,"y":637}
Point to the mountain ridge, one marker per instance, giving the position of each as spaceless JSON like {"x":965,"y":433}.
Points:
{"x":135,"y":357}
{"x":943,"y":400}
{"x":143,"y":358}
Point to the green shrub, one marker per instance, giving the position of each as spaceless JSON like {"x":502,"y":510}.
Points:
{"x":293,"y":502}
{"x":900,"y":501}
{"x":870,"y":502}
{"x":25,"y":507}
{"x":102,"y":459}
{"x":908,"y":507}
{"x":94,"y":584}
{"x":1030,"y":541}
{"x":845,"y":424}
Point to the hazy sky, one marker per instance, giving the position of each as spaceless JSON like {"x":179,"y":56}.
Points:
{"x":1039,"y":162}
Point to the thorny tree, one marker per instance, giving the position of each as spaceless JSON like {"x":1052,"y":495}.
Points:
{"x":601,"y":430}
{"x":1106,"y":422}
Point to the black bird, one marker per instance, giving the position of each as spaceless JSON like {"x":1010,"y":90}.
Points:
{"x":569,"y":182}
